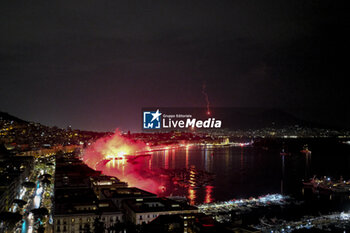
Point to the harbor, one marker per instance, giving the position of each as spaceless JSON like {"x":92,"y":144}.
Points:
{"x":336,"y":222}
{"x":328,"y":184}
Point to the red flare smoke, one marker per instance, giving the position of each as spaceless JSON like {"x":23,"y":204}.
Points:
{"x":115,"y":156}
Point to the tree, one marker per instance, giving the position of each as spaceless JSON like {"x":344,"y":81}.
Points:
{"x":29,"y":185}
{"x":46,"y":182}
{"x":10,"y":219}
{"x":40,"y":212}
{"x":20,"y":202}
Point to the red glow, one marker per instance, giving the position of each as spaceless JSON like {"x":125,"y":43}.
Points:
{"x":118,"y":156}
{"x":191,"y":192}
{"x":187,"y":147}
{"x":208,"y":194}
{"x":166,"y":158}
{"x":207,"y":225}
{"x":192,"y":195}
{"x":162,"y":188}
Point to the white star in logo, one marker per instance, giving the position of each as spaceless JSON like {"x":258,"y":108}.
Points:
{"x":156,"y":115}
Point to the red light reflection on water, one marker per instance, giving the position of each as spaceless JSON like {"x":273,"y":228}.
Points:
{"x":192,"y":184}
{"x":208,"y":194}
{"x":166,"y":159}
{"x":187,"y":148}
{"x":118,"y":156}
{"x":192,"y":195}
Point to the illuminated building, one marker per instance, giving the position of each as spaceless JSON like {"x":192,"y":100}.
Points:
{"x":139,"y":211}
{"x":98,"y":183}
{"x":120,"y":194}
{"x":77,"y":208}
{"x":13,"y":172}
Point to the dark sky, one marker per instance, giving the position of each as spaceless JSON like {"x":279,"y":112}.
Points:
{"x":95,"y":64}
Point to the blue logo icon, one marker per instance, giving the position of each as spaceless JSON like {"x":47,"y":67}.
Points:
{"x":151,"y":120}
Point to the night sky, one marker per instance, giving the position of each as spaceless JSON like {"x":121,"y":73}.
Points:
{"x":95,"y":64}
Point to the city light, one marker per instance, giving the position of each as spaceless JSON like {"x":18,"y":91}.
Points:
{"x":174,"y":117}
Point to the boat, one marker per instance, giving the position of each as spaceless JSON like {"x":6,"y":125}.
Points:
{"x":326,"y":184}
{"x":310,"y":183}
{"x":340,"y":189}
{"x":283,"y":153}
{"x":305,"y":150}
{"x":341,"y":186}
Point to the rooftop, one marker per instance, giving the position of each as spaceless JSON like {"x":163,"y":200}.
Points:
{"x":156,"y":205}
{"x":128,"y":192}
{"x":81,"y":201}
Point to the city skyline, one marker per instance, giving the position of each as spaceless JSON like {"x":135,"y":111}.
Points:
{"x":174,"y":116}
